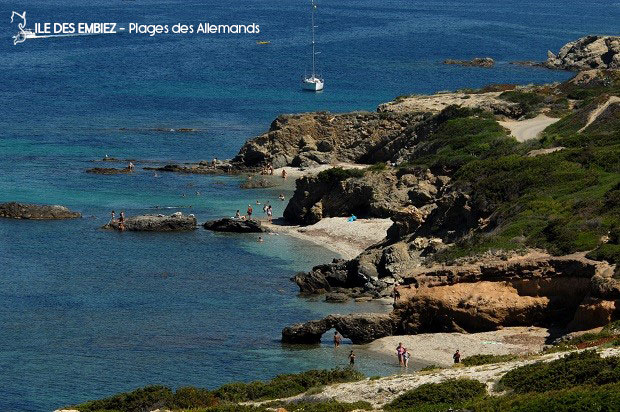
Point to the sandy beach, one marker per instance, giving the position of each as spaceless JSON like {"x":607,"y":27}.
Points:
{"x":438,"y":348}
{"x":348,"y":239}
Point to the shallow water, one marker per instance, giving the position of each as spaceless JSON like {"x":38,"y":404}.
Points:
{"x":85,"y":313}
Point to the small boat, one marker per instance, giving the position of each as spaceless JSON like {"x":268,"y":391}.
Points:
{"x":313,"y":82}
{"x":263,"y":42}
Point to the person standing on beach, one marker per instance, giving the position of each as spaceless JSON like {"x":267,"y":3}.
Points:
{"x":283,"y":173}
{"x":351,"y":358}
{"x":457,"y":356}
{"x":337,"y":339}
{"x":250,"y":210}
{"x":399,"y":352}
{"x":406,"y":356}
{"x":269,"y":213}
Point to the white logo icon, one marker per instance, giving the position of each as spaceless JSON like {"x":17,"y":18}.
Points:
{"x":23,"y":34}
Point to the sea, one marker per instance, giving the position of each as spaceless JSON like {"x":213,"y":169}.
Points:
{"x":86,"y":313}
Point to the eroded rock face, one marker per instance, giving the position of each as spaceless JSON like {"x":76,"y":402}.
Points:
{"x":310,"y":139}
{"x":155,"y":223}
{"x":15,"y":210}
{"x":235,"y":225}
{"x":586,"y":53}
{"x":359,"y":327}
{"x":381,"y":195}
{"x":544,"y":291}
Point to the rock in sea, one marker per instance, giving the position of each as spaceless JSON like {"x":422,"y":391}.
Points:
{"x":15,"y":210}
{"x":156,"y":223}
{"x":235,"y":225}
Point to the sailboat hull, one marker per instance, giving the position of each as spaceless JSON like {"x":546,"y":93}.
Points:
{"x":313,"y":85}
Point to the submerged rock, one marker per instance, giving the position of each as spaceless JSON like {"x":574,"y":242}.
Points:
{"x":259,"y":183}
{"x":477,"y":62}
{"x":156,"y":223}
{"x":109,"y":171}
{"x":15,"y":210}
{"x":235,"y":225}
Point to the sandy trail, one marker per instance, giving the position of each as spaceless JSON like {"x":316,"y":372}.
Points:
{"x":596,"y":113}
{"x":528,"y":129}
{"x":348,"y":239}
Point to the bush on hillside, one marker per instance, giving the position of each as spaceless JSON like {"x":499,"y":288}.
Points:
{"x":450,"y":393}
{"x":284,"y":385}
{"x":577,"y":368}
{"x":582,"y":398}
{"x":476,"y":360}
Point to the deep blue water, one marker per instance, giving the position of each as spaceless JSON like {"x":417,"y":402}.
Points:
{"x":86,"y":313}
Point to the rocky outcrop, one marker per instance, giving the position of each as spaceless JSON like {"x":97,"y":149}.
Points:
{"x":259,"y":182}
{"x":109,"y":171}
{"x":476,"y":62}
{"x":155,"y":223}
{"x":235,"y":225}
{"x":586,"y":53}
{"x":436,"y":103}
{"x":376,"y":194}
{"x":534,"y":290}
{"x":322,"y":138}
{"x":359,"y":327}
{"x":15,"y":210}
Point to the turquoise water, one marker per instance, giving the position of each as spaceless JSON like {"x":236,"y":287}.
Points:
{"x":86,"y":313}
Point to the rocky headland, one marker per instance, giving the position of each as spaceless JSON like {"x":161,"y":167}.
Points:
{"x":431,"y":161}
{"x":155,"y":223}
{"x":587,"y":53}
{"x":14,"y":210}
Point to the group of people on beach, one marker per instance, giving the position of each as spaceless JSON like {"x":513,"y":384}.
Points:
{"x":402,"y":352}
{"x":268,"y":171}
{"x":403,"y":355}
{"x":121,"y":219}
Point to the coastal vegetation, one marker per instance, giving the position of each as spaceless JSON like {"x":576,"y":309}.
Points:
{"x":439,"y":396}
{"x":221,"y":399}
{"x":565,"y":201}
{"x":476,"y":360}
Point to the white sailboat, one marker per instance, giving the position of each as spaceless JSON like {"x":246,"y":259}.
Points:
{"x":313,"y":82}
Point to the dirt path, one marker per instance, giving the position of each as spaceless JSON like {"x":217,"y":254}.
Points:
{"x":528,"y":129}
{"x":596,"y":113}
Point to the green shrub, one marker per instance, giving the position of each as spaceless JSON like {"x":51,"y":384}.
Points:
{"x":377,"y":167}
{"x":148,"y":398}
{"x":577,"y":368}
{"x":604,"y":398}
{"x":284,"y":385}
{"x":154,"y":397}
{"x":330,"y":406}
{"x":528,"y":101}
{"x":451,"y":393}
{"x":190,"y":397}
{"x":476,"y":360}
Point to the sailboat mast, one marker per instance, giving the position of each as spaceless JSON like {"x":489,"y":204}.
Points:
{"x":313,"y":52}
